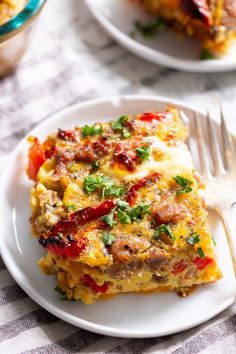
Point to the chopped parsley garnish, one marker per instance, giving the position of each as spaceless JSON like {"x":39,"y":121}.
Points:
{"x":125,"y":214}
{"x":193,"y":238}
{"x":113,"y":190}
{"x":71,"y":207}
{"x":104,"y":183}
{"x":125,"y":133}
{"x":108,"y":238}
{"x":200,"y":252}
{"x":122,"y":205}
{"x":137,"y":212}
{"x":184,"y":183}
{"x":143,"y":152}
{"x":123,"y":217}
{"x":109,"y":218}
{"x":95,"y":165}
{"x":62,"y":293}
{"x":206,"y":55}
{"x":118,"y":126}
{"x":91,"y":183}
{"x":150,"y":29}
{"x":165,"y":229}
{"x":119,"y":123}
{"x":90,"y":130}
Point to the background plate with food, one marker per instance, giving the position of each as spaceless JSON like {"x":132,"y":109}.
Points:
{"x":152,"y":39}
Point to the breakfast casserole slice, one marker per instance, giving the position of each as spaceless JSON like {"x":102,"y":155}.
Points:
{"x":213,"y":22}
{"x":116,"y":206}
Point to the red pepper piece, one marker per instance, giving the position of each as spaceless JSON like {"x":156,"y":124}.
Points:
{"x":201,"y":263}
{"x":89,"y":281}
{"x":49,"y":147}
{"x":132,"y":193}
{"x":67,"y":135}
{"x":36,"y":157}
{"x":198,"y":9}
{"x":82,"y":217}
{"x":179,"y":267}
{"x":150,"y":116}
{"x":71,"y":250}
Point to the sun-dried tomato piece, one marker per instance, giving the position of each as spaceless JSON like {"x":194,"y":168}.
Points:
{"x":198,"y":9}
{"x":89,"y":281}
{"x":201,"y":263}
{"x":36,"y":157}
{"x":179,"y":267}
{"x":89,"y":152}
{"x":72,"y":249}
{"x":125,"y":156}
{"x":150,"y":116}
{"x":126,"y":161}
{"x":82,"y":217}
{"x":67,"y":135}
{"x":133,"y":191}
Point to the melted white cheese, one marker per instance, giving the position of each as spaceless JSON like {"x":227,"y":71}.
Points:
{"x":174,"y":160}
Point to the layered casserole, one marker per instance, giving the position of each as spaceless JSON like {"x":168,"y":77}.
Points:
{"x":116,"y":206}
{"x":213,"y":22}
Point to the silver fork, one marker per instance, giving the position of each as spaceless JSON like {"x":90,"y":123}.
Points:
{"x":218,"y":168}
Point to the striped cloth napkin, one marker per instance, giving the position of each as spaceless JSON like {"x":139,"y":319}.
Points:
{"x":48,"y":80}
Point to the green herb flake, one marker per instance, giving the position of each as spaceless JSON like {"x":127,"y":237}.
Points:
{"x":184,"y":183}
{"x":206,"y":55}
{"x":108,"y":238}
{"x":137,"y":212}
{"x":92,"y":182}
{"x":61,"y":292}
{"x":200,"y":252}
{"x":123,"y":217}
{"x":109,"y":218}
{"x":214,"y":241}
{"x":193,"y":239}
{"x":125,"y":133}
{"x":165,"y":229}
{"x":150,"y":29}
{"x":105,"y":184}
{"x":143,"y":152}
{"x":113,"y":190}
{"x":71,"y":207}
{"x":118,"y":124}
{"x":90,"y":130}
{"x":95,"y":165}
{"x":123,"y":205}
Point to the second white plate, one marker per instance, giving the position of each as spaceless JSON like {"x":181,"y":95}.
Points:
{"x":117,"y":18}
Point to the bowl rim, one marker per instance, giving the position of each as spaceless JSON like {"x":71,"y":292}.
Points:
{"x":16,"y":23}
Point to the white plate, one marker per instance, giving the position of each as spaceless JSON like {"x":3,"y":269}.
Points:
{"x":132,"y":315}
{"x":167,"y":49}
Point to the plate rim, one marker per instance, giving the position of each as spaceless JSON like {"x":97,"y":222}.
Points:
{"x":156,"y":57}
{"x":20,"y":277}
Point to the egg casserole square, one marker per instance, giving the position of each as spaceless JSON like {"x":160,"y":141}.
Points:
{"x":116,"y":206}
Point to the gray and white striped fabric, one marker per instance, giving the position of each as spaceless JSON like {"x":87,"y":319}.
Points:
{"x":72,"y":60}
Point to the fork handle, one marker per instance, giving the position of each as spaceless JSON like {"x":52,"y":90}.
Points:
{"x":225,"y":215}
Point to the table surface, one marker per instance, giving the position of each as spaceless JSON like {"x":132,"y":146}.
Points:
{"x":73,"y":59}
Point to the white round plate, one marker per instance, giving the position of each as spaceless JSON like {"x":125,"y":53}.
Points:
{"x":131,"y":315}
{"x":117,"y":18}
